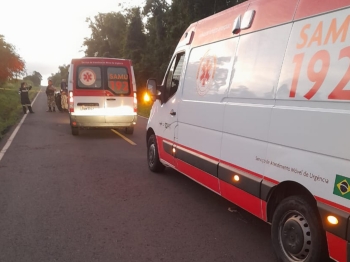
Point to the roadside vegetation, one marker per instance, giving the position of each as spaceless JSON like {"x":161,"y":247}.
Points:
{"x":147,"y":35}
{"x":144,"y":108}
{"x":10,"y":104}
{"x":12,"y":69}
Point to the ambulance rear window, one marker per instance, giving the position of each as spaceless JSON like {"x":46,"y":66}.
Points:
{"x":118,"y":80}
{"x":89,"y":77}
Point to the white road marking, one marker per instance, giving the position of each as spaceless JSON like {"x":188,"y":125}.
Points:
{"x":12,"y":137}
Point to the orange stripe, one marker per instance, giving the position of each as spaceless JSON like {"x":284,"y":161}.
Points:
{"x":189,"y":29}
{"x":308,"y":8}
{"x":217,"y":27}
{"x":270,"y":13}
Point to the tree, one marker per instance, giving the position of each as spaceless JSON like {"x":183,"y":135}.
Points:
{"x":11,"y":64}
{"x":107,"y":35}
{"x":156,"y":57}
{"x":148,"y":44}
{"x":61,"y":74}
{"x":35,"y":78}
{"x":64,"y":69}
{"x":135,"y":41}
{"x":38,"y":75}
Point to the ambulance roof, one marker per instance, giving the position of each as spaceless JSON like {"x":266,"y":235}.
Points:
{"x":266,"y":14}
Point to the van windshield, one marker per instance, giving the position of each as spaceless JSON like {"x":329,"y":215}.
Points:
{"x":118,"y":80}
{"x":89,"y":77}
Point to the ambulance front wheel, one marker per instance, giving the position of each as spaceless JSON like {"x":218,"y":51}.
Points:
{"x":154,"y":163}
{"x":297,"y":233}
{"x":75,"y":131}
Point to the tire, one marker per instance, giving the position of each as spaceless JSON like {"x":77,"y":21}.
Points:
{"x":75,"y":131}
{"x":297,"y":233}
{"x":129,"y":130}
{"x":153,"y":161}
{"x":58,"y":101}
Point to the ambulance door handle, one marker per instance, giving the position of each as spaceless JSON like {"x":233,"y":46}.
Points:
{"x":172,"y":112}
{"x":109,"y":99}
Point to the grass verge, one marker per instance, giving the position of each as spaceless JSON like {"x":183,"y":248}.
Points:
{"x":10,"y":104}
{"x":143,"y":109}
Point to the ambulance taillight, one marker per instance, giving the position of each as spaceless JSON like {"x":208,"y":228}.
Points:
{"x":135,"y":102}
{"x":71,"y":102}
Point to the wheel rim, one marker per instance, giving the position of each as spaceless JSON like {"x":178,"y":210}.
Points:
{"x":151,"y":155}
{"x":295,"y":236}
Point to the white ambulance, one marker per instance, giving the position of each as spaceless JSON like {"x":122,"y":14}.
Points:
{"x":102,"y":94}
{"x":255,"y":106}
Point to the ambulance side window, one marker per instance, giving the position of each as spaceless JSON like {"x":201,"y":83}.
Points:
{"x":173,"y":77}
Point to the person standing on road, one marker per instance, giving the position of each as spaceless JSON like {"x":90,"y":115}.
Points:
{"x":24,"y":92}
{"x":50,"y":92}
{"x":64,"y":101}
{"x":64,"y":85}
{"x":64,"y":93}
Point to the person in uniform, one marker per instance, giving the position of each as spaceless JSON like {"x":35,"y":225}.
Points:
{"x":64,"y":85}
{"x":50,"y":92}
{"x":24,"y":92}
{"x":64,"y":95}
{"x":64,"y":101}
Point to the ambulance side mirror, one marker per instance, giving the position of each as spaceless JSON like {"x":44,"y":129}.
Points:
{"x":152,"y":89}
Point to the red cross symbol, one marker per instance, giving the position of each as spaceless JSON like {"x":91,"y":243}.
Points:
{"x":87,"y":77}
{"x":205,"y":72}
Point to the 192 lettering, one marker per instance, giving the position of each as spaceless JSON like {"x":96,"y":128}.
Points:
{"x":318,"y":77}
{"x":119,"y":86}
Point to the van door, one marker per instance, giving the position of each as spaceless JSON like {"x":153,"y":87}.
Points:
{"x":89,"y":96}
{"x":119,"y":96}
{"x":168,"y":110}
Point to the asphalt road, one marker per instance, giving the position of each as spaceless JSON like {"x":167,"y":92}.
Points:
{"x":92,"y":198}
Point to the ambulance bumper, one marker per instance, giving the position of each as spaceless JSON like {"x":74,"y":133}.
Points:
{"x":100,"y":121}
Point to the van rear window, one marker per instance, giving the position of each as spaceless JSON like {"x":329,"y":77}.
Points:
{"x":118,"y":80}
{"x":89,"y":77}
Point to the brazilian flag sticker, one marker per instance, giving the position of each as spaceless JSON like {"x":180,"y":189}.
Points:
{"x":342,"y":187}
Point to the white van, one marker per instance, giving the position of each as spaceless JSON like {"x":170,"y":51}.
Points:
{"x":255,"y":106}
{"x":102,"y":94}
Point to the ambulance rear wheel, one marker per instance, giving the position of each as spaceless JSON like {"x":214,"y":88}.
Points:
{"x":129,"y":130}
{"x":297,"y":233}
{"x":154,"y":163}
{"x":75,"y":131}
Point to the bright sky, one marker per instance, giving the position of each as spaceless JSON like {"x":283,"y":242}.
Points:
{"x":49,"y":33}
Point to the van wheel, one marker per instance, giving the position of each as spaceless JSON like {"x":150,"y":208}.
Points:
{"x":297,"y":233}
{"x":154,"y":163}
{"x":75,"y":131}
{"x":129,"y":130}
